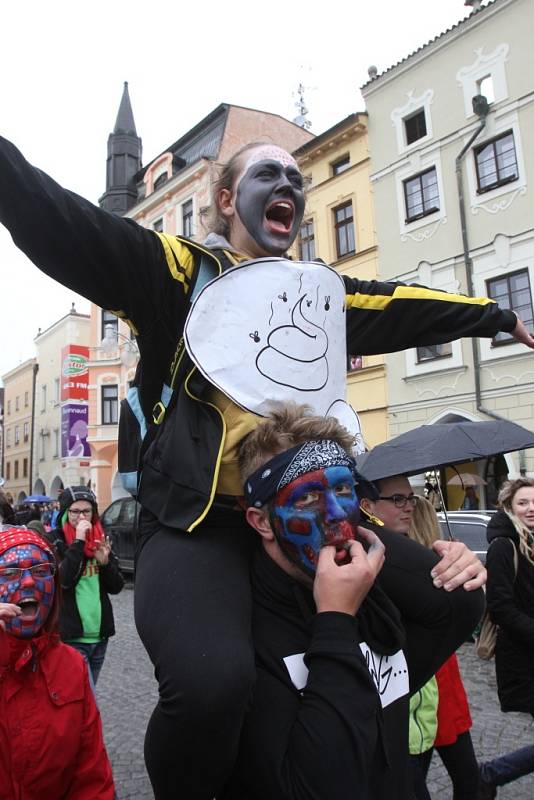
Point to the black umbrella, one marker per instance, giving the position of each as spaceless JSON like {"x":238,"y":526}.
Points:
{"x":433,"y":446}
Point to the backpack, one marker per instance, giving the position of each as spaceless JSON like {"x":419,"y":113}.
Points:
{"x":487,"y":638}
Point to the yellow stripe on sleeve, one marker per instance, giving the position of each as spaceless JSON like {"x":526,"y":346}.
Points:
{"x":379,"y":302}
{"x":175,"y":252}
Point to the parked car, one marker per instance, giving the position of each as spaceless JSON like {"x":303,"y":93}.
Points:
{"x":468,"y":527}
{"x":118,"y":521}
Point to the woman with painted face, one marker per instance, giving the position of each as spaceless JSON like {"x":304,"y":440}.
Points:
{"x":510,"y":600}
{"x":191,"y":587}
{"x":89,"y":573}
{"x":51,"y":743}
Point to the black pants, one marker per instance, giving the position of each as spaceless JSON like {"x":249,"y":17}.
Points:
{"x":192,"y":612}
{"x":460,"y":762}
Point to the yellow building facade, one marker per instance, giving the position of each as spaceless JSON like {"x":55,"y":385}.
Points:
{"x":339,"y":227}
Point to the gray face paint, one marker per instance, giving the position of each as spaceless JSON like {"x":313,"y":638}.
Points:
{"x":270,"y":203}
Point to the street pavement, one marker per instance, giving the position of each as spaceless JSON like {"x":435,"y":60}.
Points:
{"x":127,"y":693}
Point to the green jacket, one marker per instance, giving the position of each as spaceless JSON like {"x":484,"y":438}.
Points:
{"x":424,"y":717}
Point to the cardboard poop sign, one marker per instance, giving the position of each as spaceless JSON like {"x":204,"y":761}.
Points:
{"x":272,"y":329}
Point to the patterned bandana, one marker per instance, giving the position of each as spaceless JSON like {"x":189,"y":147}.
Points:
{"x":285,"y":467}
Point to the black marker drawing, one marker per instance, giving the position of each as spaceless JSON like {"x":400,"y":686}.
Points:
{"x":327,"y":303}
{"x":290,"y":346}
{"x":283,"y":297}
{"x":255,"y":336}
{"x":378,"y":666}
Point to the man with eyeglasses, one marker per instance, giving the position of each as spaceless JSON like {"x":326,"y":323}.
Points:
{"x":395,"y":504}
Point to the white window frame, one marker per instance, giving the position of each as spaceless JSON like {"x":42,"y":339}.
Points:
{"x":400,"y":114}
{"x":417,"y":164}
{"x":490,"y":65}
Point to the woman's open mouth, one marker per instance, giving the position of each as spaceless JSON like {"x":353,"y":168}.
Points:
{"x":279,"y":216}
{"x":29,"y":607}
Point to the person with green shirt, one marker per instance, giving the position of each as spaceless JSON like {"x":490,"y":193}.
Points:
{"x":89,"y":573}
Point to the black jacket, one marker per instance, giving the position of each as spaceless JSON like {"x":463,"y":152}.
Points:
{"x":147,"y":278}
{"x":333,"y":740}
{"x":72,"y":563}
{"x":510,"y":601}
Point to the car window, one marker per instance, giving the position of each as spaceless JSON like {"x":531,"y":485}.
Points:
{"x":112,"y":513}
{"x":128,"y":511}
{"x":472,"y":534}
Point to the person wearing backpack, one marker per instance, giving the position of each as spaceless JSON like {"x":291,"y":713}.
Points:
{"x":510,"y":602}
{"x":192,"y":593}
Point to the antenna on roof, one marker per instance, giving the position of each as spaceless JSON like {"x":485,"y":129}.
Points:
{"x":302,"y":118}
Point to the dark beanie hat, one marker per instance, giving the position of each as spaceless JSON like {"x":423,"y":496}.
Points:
{"x":70,"y":494}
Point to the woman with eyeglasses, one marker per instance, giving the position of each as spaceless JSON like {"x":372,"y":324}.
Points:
{"x":89,"y":573}
{"x":51,"y":743}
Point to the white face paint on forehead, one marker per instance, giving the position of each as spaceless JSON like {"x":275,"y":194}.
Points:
{"x":270,"y":153}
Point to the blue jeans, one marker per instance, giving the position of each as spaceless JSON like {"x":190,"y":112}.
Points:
{"x":94,"y":654}
{"x":507,"y":768}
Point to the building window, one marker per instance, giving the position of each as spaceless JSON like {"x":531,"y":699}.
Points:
{"x":17,"y":403}
{"x":56,"y":443}
{"x":110,"y":405}
{"x":307,"y":241}
{"x":43,"y":398}
{"x":344,"y":224}
{"x":56,"y":391}
{"x":26,"y":399}
{"x":42,"y":453}
{"x":496,"y":162}
{"x":340,"y":166}
{"x":8,"y":437}
{"x":17,"y":434}
{"x":513,"y":292}
{"x":433,"y":351}
{"x":158,"y":225}
{"x":9,"y":406}
{"x":160,"y":181}
{"x":354,"y":363}
{"x":486,"y":89}
{"x":26,"y":431}
{"x":109,"y":319}
{"x":415,"y":126}
{"x":25,"y":468}
{"x":8,"y":470}
{"x":421,"y":194}
{"x":15,"y":470}
{"x":187,"y":219}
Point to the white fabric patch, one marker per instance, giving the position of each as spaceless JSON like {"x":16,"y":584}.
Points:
{"x":389,"y":673}
{"x":272,"y":329}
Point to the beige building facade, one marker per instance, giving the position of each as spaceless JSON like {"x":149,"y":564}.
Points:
{"x":54,"y":467}
{"x":425,"y":133}
{"x":19,"y":387}
{"x":339,"y":228}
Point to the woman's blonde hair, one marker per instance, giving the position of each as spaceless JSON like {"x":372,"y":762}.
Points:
{"x":505,"y":499}
{"x":424,"y":527}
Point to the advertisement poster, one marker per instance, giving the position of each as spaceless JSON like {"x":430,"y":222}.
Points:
{"x":74,"y":419}
{"x":74,"y":373}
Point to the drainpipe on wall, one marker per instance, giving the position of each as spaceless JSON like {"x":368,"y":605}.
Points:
{"x":32,"y":431}
{"x":481,"y":109}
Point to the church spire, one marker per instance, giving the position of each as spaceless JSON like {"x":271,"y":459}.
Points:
{"x":123,"y":161}
{"x":125,"y":119}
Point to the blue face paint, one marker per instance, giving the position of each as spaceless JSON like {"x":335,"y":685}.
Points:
{"x":33,"y":590}
{"x":316,"y":509}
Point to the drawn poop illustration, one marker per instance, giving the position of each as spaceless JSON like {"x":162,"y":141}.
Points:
{"x":272,"y":329}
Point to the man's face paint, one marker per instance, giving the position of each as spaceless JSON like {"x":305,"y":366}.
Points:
{"x":317,"y":509}
{"x":270,"y":199}
{"x":32,"y":593}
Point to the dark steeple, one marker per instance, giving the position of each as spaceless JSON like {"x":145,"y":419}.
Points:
{"x":124,"y":160}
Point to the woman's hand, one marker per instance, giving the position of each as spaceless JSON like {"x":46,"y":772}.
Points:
{"x":102,"y":551}
{"x":8,"y":611}
{"x":459,"y":566}
{"x":82,"y":529}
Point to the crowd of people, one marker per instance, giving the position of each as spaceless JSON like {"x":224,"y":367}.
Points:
{"x":287,"y":632}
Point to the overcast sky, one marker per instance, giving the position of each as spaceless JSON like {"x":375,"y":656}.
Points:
{"x":62,"y":67}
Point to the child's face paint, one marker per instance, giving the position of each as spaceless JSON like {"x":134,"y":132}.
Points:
{"x":317,"y":509}
{"x":33,"y":590}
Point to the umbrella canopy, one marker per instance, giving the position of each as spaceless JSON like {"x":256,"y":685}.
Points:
{"x":38,"y":498}
{"x":433,"y":446}
{"x":466,"y":479}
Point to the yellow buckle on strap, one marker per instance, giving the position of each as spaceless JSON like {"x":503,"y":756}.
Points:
{"x":158,"y":413}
